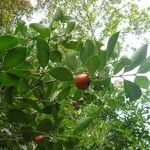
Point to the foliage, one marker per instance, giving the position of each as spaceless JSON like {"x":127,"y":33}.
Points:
{"x":38,"y":95}
{"x":13,"y":10}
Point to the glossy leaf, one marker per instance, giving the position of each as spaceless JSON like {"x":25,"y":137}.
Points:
{"x":122,"y":63}
{"x":82,"y":124}
{"x":43,"y":52}
{"x":142,"y":81}
{"x":111,"y":45}
{"x":8,"y":41}
{"x":14,"y":57}
{"x":61,"y":74}
{"x":70,"y":26}
{"x":137,"y":58}
{"x":132,"y":91}
{"x":93,"y":63}
{"x":87,"y":51}
{"x":145,"y":66}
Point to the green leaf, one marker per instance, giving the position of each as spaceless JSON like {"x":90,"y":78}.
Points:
{"x":132,"y":91}
{"x":82,"y":124}
{"x":58,"y":15}
{"x":16,"y":115}
{"x":21,"y":27}
{"x":145,"y":66}
{"x":14,"y":57}
{"x":43,"y":52}
{"x":22,"y":86}
{"x":71,"y":60}
{"x":121,"y":64}
{"x":40,"y":29}
{"x":87,"y":51}
{"x":142,"y":81}
{"x":75,"y":45}
{"x":70,"y":26}
{"x":111,"y":45}
{"x":7,"y":42}
{"x":137,"y":58}
{"x":56,"y":56}
{"x":45,"y":125}
{"x":61,"y":74}
{"x":93,"y":63}
{"x":64,"y":93}
{"x":8,"y":79}
{"x":102,"y":56}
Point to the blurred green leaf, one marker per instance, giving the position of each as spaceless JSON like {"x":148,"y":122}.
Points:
{"x":87,"y":51}
{"x":40,"y":29}
{"x":43,"y":52}
{"x":71,"y":60}
{"x":16,"y":115}
{"x":22,"y":86}
{"x":145,"y":66}
{"x":137,"y":58}
{"x":70,"y":26}
{"x":82,"y":124}
{"x":121,"y":64}
{"x":142,"y":81}
{"x":111,"y":44}
{"x":56,"y":56}
{"x":45,"y":125}
{"x":7,"y":41}
{"x":61,"y":74}
{"x":8,"y":79}
{"x":132,"y":91}
{"x":14,"y":57}
{"x":58,"y":15}
{"x":92,"y":63}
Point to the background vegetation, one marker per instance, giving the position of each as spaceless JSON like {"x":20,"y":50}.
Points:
{"x":38,"y":64}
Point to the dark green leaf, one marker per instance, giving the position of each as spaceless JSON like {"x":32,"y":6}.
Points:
{"x":45,"y":125}
{"x":61,"y":74}
{"x":145,"y":66}
{"x":22,"y":86}
{"x":70,"y":26}
{"x":121,"y":64}
{"x":102,"y":56}
{"x":82,"y":124}
{"x":111,"y":45}
{"x":7,"y":42}
{"x":142,"y":81}
{"x":93,"y":63}
{"x":16,"y":115}
{"x":87,"y":51}
{"x":137,"y":58}
{"x":43,"y":52}
{"x":8,"y":79}
{"x":56,"y":56}
{"x":132,"y":91}
{"x":14,"y":57}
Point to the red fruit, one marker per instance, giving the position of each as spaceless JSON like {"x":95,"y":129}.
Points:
{"x":82,"y":81}
{"x":39,"y":138}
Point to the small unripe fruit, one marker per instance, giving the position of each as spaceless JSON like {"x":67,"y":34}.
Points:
{"x":39,"y":138}
{"x":82,"y":81}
